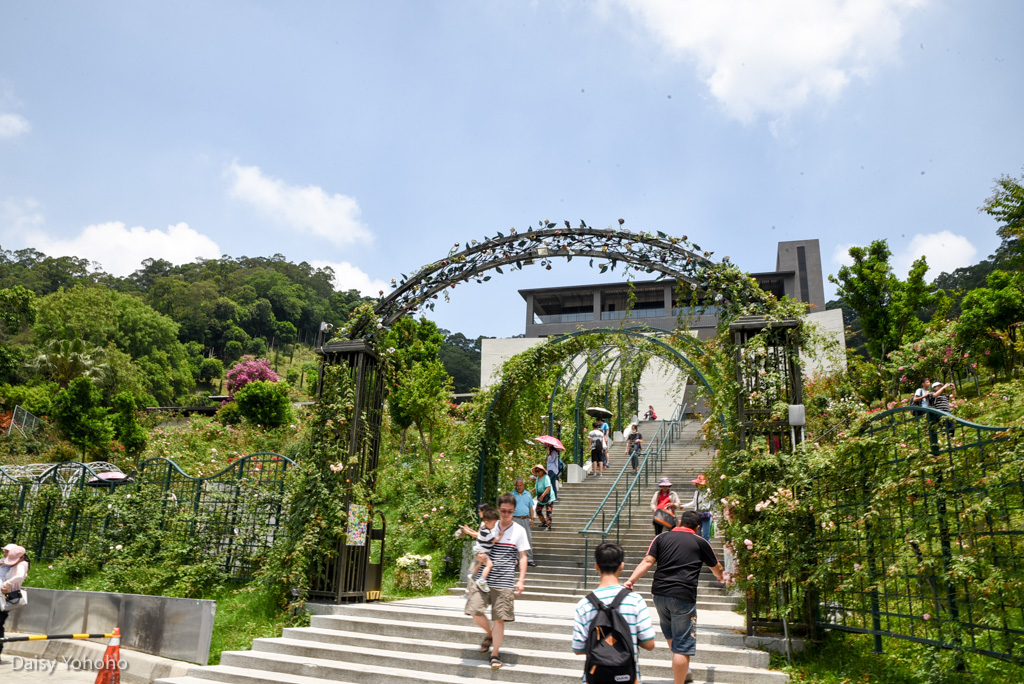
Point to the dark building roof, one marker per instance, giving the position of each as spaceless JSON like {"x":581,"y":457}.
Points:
{"x":560,"y":310}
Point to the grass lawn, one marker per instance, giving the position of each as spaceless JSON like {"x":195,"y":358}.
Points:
{"x":847,"y":659}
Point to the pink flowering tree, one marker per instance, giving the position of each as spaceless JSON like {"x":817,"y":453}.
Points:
{"x":937,"y":355}
{"x":249,"y":369}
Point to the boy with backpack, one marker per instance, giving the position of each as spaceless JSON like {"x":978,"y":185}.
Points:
{"x":610,"y":623}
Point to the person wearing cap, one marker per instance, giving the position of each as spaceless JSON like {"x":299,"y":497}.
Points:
{"x":701,"y":504}
{"x":544,"y":494}
{"x":13,"y":572}
{"x":664,"y":499}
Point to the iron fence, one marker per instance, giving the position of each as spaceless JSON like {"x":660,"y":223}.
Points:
{"x":921,"y":539}
{"x":235,"y":514}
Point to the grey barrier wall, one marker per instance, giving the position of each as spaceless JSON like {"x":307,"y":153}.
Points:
{"x":169,"y":627}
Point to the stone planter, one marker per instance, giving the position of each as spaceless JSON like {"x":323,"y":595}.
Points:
{"x":415,"y":579}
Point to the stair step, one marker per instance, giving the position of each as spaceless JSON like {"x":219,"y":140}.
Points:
{"x":725,"y":603}
{"x":431,"y":639}
{"x":462,"y":641}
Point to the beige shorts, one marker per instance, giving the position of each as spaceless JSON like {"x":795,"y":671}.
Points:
{"x":501,"y":601}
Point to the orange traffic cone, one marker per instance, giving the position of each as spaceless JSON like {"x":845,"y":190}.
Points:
{"x":110,"y":672}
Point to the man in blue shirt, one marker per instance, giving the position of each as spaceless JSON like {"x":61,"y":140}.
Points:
{"x":524,"y":515}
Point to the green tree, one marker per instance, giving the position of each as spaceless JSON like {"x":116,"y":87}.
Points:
{"x":127,"y":429}
{"x":423,"y":396}
{"x":101,"y":316}
{"x":64,"y":360}
{"x":888,"y":308}
{"x":461,"y":358}
{"x":17,"y":310}
{"x":1006,"y":205}
{"x":413,"y":342}
{"x":79,"y":415}
{"x":992,"y":317}
{"x":211,"y":370}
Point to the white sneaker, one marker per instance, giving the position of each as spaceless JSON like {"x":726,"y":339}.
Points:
{"x":482,"y":585}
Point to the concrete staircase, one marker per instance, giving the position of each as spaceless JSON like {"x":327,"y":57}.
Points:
{"x":430,"y":639}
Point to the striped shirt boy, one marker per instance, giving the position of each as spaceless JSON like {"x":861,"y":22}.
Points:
{"x":633,"y":608}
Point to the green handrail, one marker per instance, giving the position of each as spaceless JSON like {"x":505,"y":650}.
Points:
{"x":653,"y":456}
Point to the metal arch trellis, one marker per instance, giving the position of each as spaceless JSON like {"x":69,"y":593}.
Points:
{"x":658,"y":252}
{"x":669,"y":256}
{"x":660,"y":348}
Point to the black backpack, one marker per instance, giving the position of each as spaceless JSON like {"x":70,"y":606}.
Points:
{"x":610,"y":656}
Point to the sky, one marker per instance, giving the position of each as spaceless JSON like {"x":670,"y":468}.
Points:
{"x":371,"y":136}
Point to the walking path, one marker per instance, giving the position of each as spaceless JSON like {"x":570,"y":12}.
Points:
{"x":430,"y":639}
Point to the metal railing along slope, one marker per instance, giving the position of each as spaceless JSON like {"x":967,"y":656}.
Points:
{"x":620,"y":502}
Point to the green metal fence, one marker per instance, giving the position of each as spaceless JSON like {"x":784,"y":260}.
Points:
{"x":926,"y":545}
{"x":919,"y":536}
{"x":236,"y":513}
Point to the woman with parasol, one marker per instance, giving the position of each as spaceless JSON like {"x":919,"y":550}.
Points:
{"x":554,"y":460}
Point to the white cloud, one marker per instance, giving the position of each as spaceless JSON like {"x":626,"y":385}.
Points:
{"x":349,"y":277}
{"x":841,"y":255}
{"x":306,"y":209}
{"x":773,"y":56}
{"x":944,"y":251}
{"x":13,"y":125}
{"x":120,"y":250}
{"x":19,"y":216}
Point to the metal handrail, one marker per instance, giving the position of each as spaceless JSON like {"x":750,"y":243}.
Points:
{"x":653,"y":461}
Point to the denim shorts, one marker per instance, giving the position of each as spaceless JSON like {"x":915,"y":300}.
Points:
{"x":678,"y":623}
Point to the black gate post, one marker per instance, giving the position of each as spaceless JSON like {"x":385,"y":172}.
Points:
{"x":344,"y":579}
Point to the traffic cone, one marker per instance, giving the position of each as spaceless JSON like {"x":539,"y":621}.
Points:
{"x":110,"y":672}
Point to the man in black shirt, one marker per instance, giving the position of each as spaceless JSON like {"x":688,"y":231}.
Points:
{"x":679,"y":554}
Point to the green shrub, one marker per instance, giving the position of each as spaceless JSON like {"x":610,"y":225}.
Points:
{"x":265,"y":403}
{"x":80,"y":417}
{"x":229,"y":414}
{"x":36,"y":399}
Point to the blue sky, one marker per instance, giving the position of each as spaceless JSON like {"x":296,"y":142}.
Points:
{"x":372,"y":136}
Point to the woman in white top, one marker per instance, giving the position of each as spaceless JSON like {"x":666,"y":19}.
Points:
{"x":13,"y":571}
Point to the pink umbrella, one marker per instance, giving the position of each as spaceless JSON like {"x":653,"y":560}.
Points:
{"x":551,"y":441}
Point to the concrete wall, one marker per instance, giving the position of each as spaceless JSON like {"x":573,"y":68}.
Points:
{"x":496,"y":351}
{"x":659,"y":383}
{"x":830,"y":323}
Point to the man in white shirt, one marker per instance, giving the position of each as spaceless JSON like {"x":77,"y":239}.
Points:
{"x":510,"y":545}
